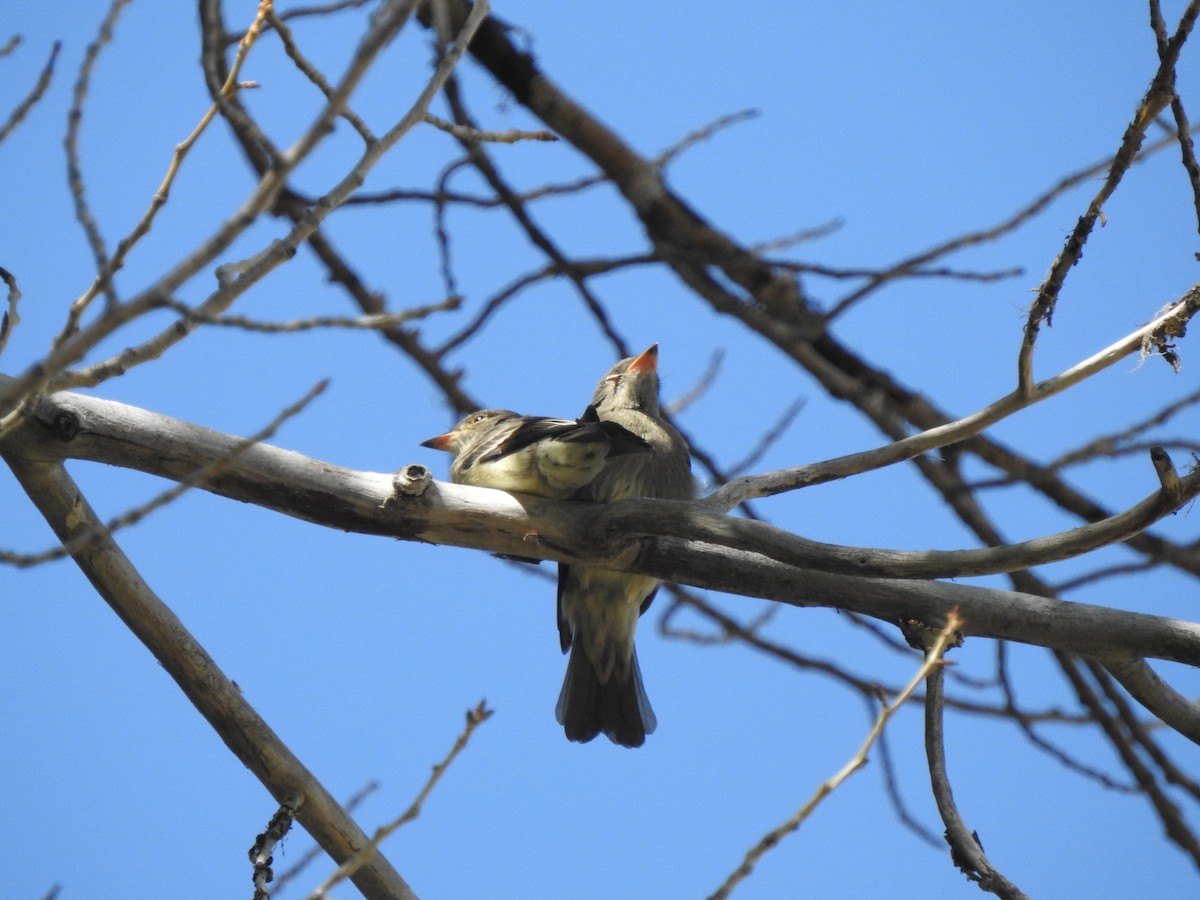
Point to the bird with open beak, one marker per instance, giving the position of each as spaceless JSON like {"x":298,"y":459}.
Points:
{"x":597,"y":609}
{"x":550,"y":458}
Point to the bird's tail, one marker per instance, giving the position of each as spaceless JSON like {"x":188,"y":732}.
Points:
{"x":618,"y":707}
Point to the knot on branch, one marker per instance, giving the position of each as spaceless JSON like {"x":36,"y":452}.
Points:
{"x":922,"y":635}
{"x":65,"y":426}
{"x":410,"y":481}
{"x":1167,"y":476}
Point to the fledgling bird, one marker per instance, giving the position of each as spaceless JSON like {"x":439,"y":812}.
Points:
{"x":551,"y":458}
{"x":597,"y":609}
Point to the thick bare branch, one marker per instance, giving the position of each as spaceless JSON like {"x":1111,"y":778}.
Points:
{"x":777,"y":544}
{"x":216,"y":697}
{"x":965,"y":847}
{"x":71,"y":425}
{"x":1145,"y":686}
{"x":140,"y":512}
{"x":764,"y":299}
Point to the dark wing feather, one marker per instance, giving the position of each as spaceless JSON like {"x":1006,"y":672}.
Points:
{"x":621,"y":439}
{"x":530,"y":431}
{"x":564,"y":627}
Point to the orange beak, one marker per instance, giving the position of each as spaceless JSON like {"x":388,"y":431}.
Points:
{"x":647,"y":362}
{"x":439,"y":442}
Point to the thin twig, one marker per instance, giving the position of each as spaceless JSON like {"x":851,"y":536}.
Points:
{"x":39,"y":88}
{"x":772,"y":838}
{"x":262,"y":851}
{"x":11,"y":318}
{"x":870,"y":689}
{"x":1183,"y":130}
{"x":377,"y":322}
{"x":142,"y":228}
{"x":1157,"y":96}
{"x":511,"y":136}
{"x":313,"y":74}
{"x":702,"y":386}
{"x":441,"y":233}
{"x":769,"y":438}
{"x":314,"y":853}
{"x":540,"y":238}
{"x":75,"y":179}
{"x":475,"y":718}
{"x":913,"y":446}
{"x":1046,"y":746}
{"x":913,"y":263}
{"x":703,"y":134}
{"x":576,"y":270}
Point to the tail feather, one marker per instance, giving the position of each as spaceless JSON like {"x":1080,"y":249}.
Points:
{"x":618,"y":708}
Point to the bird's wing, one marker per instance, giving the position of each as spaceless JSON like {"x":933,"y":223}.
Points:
{"x":621,"y":438}
{"x":530,"y":431}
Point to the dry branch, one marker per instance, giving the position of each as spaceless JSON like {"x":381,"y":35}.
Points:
{"x":75,"y":426}
{"x":216,"y":697}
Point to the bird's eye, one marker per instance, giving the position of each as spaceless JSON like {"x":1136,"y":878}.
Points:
{"x":478,"y":418}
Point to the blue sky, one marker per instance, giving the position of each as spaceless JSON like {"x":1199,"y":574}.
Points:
{"x":908,"y":124}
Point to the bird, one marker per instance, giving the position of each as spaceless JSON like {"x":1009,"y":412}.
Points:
{"x":552,"y":458}
{"x":598,"y":609}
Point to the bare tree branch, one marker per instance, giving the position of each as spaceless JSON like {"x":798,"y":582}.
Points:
{"x":965,"y":846}
{"x":376,"y":322}
{"x":933,"y":660}
{"x":83,"y":210}
{"x":596,"y":535}
{"x":313,"y":74}
{"x":475,"y":718}
{"x":140,"y":512}
{"x":1158,"y":95}
{"x":943,"y":435}
{"x":18,"y":115}
{"x":1144,"y":685}
{"x":511,"y":136}
{"x":216,"y":697}
{"x":262,"y":850}
{"x":142,"y":228}
{"x":10,"y":318}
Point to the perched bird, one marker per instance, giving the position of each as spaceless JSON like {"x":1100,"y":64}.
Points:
{"x":597,"y":609}
{"x":551,"y":458}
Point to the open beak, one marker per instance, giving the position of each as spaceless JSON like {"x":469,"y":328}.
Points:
{"x":647,"y":362}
